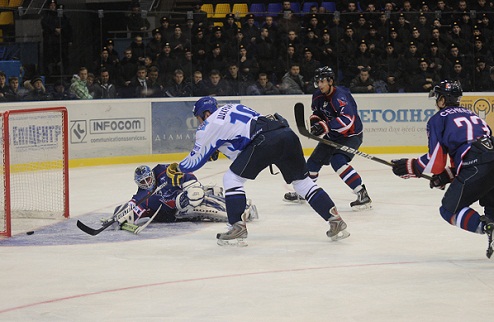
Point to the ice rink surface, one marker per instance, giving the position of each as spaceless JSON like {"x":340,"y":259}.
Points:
{"x":402,"y":262}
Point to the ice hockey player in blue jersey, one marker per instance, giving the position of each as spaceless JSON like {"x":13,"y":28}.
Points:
{"x":252,"y":142}
{"x":462,"y":135}
{"x":187,"y":201}
{"x":335,"y":116}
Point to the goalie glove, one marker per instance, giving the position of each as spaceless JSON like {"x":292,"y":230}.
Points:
{"x":175,"y":175}
{"x":406,"y":168}
{"x":440,"y":180}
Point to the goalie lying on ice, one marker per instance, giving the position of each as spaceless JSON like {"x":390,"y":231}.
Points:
{"x":189,"y":201}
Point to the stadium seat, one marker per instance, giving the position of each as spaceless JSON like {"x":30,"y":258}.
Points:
{"x":15,"y":3}
{"x":4,"y":3}
{"x":295,"y":6}
{"x":307,"y":5}
{"x":6,"y":18}
{"x":240,"y":9}
{"x":258,"y":9}
{"x":274,"y":8}
{"x":329,"y":6}
{"x":208,"y":8}
{"x":220,"y":10}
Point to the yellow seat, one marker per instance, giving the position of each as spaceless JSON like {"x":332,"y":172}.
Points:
{"x":208,"y":8}
{"x":221,"y":10}
{"x":6,"y":18}
{"x":240,"y":9}
{"x":15,"y":3}
{"x":4,"y":3}
{"x":218,"y":23}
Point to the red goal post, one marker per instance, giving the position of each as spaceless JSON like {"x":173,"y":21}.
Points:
{"x":34,"y":171}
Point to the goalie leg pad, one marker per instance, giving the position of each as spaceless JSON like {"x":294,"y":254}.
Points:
{"x":190,"y":198}
{"x":212,"y":209}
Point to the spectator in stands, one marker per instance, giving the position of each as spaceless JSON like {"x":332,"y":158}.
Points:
{"x":250,"y":30}
{"x":215,"y":60}
{"x":198,"y":86}
{"x":126,"y":71}
{"x":418,"y":40}
{"x":287,"y":58}
{"x":61,"y":91}
{"x":135,"y":22}
{"x":166,"y":29}
{"x":13,"y":93}
{"x":200,"y":49}
{"x":230,"y":27}
{"x":78,"y":85}
{"x":92,"y":85}
{"x":481,"y":50}
{"x":139,"y":83}
{"x":112,"y":53}
{"x":460,"y":74}
{"x":292,"y":82}
{"x":187,"y":65}
{"x":327,"y":50}
{"x":362,"y":83}
{"x":178,"y":87}
{"x":308,"y":67}
{"x":424,"y":27}
{"x":37,"y":91}
{"x":272,"y":28}
{"x":425,"y":79}
{"x":351,"y":14}
{"x":348,"y":47}
{"x":310,"y":40}
{"x":237,"y":81}
{"x":57,"y":37}
{"x":200,"y":17}
{"x":481,"y":77}
{"x":178,"y":41}
{"x":216,"y":86}
{"x":155,"y":45}
{"x":389,"y":63}
{"x":266,"y":52}
{"x":3,"y":86}
{"x":107,"y":88}
{"x":262,"y":86}
{"x":363,"y":58}
{"x":217,"y":37}
{"x":291,"y":39}
{"x":230,"y":50}
{"x":437,"y":61}
{"x":138,"y":49}
{"x":411,"y":59}
{"x":393,"y":84}
{"x":489,"y":83}
{"x":374,"y":41}
{"x":105,"y":62}
{"x":287,"y":22}
{"x":167,"y":62}
{"x":248,"y":65}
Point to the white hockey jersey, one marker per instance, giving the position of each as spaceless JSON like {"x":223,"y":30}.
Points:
{"x":227,"y":130}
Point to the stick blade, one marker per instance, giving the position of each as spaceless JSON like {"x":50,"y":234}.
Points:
{"x":91,"y":231}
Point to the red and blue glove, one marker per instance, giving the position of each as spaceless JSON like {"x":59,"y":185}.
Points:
{"x":440,"y":180}
{"x":406,"y":168}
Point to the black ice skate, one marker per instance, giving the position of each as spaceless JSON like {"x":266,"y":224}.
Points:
{"x":363,"y":201}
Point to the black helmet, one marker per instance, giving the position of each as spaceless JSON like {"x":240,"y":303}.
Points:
{"x":322,"y":73}
{"x":450,"y":90}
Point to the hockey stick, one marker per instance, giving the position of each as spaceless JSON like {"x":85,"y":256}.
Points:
{"x":141,"y":228}
{"x":300,"y":120}
{"x":116,"y":217}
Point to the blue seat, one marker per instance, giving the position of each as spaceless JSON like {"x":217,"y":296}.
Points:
{"x":307,"y":5}
{"x":329,"y":6}
{"x":295,"y":6}
{"x":274,"y":8}
{"x":258,"y":9}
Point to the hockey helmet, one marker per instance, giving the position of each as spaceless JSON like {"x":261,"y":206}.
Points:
{"x":144,"y":177}
{"x":450,"y":90}
{"x":323,"y":73}
{"x":206,"y":103}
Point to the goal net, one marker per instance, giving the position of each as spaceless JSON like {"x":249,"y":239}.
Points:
{"x":34,"y":171}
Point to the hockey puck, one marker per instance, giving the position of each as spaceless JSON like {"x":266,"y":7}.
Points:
{"x":30,"y":232}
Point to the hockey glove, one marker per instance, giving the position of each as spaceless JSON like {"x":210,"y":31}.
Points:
{"x":214,"y":156}
{"x":440,"y":180}
{"x":406,"y":168}
{"x":319,"y":128}
{"x":175,"y":175}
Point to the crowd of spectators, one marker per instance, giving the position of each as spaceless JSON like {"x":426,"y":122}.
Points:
{"x":373,"y":46}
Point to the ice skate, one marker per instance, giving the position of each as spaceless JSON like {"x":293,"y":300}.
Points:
{"x":337,"y":227}
{"x":293,"y":197}
{"x":488,"y":229}
{"x":235,"y":236}
{"x":363,"y":201}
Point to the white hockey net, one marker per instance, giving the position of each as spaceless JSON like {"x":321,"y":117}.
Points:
{"x":34,"y":170}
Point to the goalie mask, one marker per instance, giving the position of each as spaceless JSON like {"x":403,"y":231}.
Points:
{"x":144,"y":178}
{"x":450,"y":90}
{"x":204,"y":104}
{"x":323,"y":73}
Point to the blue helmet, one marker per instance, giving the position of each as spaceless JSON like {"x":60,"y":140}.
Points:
{"x":144,"y":178}
{"x":206,"y":103}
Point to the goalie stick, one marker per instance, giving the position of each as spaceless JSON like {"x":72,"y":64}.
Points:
{"x":300,"y":120}
{"x":117,"y":216}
